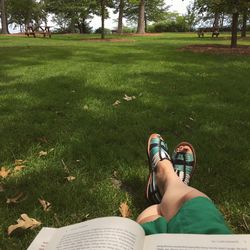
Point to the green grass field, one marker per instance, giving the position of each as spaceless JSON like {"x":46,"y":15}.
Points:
{"x":56,"y":95}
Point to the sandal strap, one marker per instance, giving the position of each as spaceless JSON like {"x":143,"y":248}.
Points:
{"x":183,"y":163}
{"x":158,"y":152}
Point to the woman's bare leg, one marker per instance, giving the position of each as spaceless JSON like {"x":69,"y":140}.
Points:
{"x":174,"y":192}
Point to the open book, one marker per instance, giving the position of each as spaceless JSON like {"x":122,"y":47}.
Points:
{"x":116,"y":233}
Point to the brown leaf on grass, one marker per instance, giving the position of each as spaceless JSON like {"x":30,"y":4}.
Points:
{"x":70,"y":178}
{"x":19,"y":162}
{"x":124,"y":210}
{"x":4,"y":172}
{"x":19,"y":168}
{"x":45,"y":204}
{"x":1,"y":188}
{"x":116,"y":103}
{"x":17,"y":198}
{"x":42,"y":153}
{"x":128,"y":98}
{"x":24,"y":222}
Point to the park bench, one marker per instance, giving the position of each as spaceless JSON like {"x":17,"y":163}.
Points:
{"x":32,"y":31}
{"x":200,"y":33}
{"x":215,"y":33}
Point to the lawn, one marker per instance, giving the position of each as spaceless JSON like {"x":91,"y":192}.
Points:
{"x":56,"y":96}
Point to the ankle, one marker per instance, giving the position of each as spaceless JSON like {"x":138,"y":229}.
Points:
{"x":163,"y":173}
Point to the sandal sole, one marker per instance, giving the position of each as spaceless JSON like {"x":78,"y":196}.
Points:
{"x":147,"y":193}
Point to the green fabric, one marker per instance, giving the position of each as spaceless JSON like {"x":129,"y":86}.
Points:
{"x":197,"y":216}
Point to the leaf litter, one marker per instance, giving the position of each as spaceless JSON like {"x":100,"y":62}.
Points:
{"x":42,"y":153}
{"x":19,"y":162}
{"x":4,"y":172}
{"x":70,"y":178}
{"x":24,"y":222}
{"x":129,"y":98}
{"x":45,"y":205}
{"x":124,"y":208}
{"x":116,"y":103}
{"x":19,"y":168}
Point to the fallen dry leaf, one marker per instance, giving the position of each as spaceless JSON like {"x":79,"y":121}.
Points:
{"x":19,"y":162}
{"x":17,"y":198}
{"x":1,"y":188}
{"x":4,"y":172}
{"x":24,"y":222}
{"x":128,"y":98}
{"x":45,"y":204}
{"x":19,"y":167}
{"x":70,"y":178}
{"x":116,"y":103}
{"x":124,"y":210}
{"x":42,"y":153}
{"x":86,"y":107}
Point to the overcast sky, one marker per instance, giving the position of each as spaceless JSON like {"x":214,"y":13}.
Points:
{"x":176,"y":5}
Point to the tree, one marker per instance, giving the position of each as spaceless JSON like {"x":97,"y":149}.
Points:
{"x":244,"y":23}
{"x":103,"y":17}
{"x":233,"y":7}
{"x":74,"y":12}
{"x":192,"y":17}
{"x":25,"y":11}
{"x":119,"y":6}
{"x":154,"y":11}
{"x":120,"y":18}
{"x":141,"y":18}
{"x":4,"y":21}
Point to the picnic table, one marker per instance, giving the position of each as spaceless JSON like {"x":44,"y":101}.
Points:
{"x":33,"y":31}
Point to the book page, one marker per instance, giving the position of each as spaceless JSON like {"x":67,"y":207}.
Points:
{"x":196,"y":242}
{"x":102,"y":233}
{"x":42,"y":239}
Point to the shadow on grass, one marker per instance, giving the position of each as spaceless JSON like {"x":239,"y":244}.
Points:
{"x":189,"y":99}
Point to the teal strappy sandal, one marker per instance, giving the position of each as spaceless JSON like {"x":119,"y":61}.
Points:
{"x":183,"y":162}
{"x":157,"y":151}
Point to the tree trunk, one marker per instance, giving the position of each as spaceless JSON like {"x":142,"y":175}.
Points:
{"x":216,"y":21}
{"x":146,"y":22}
{"x":141,"y":18}
{"x":244,"y":24}
{"x":234,"y":30}
{"x":4,"y":18}
{"x":222,"y":20}
{"x":120,"y":18}
{"x":103,"y":17}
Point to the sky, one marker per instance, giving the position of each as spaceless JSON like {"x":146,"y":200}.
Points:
{"x":176,"y":5}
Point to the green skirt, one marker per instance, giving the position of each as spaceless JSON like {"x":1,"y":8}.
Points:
{"x":197,"y":216}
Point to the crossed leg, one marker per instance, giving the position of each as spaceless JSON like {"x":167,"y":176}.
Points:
{"x":174,"y":192}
